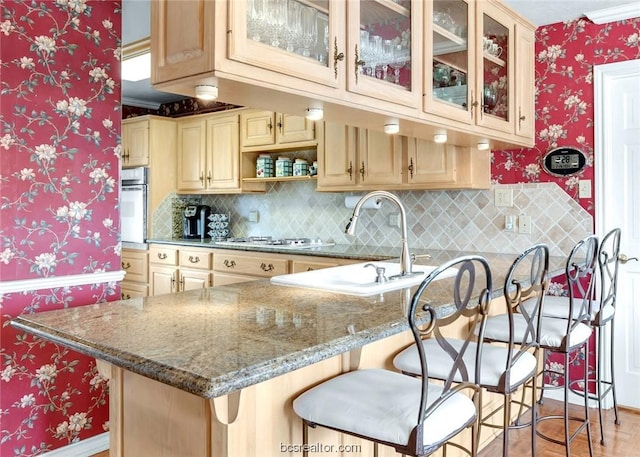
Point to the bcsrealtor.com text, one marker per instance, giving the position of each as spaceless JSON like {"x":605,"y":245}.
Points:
{"x":320,"y":447}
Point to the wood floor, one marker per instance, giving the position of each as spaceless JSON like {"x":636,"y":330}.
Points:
{"x":622,"y":440}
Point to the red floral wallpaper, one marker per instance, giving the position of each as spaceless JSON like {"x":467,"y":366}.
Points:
{"x":59,"y":191}
{"x":565,"y":56}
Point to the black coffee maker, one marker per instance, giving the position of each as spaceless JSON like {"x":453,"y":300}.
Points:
{"x":196,"y":219}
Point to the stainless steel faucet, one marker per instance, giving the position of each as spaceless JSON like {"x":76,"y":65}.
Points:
{"x":405,"y":258}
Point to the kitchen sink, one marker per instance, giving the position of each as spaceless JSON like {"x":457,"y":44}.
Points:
{"x":355,"y":279}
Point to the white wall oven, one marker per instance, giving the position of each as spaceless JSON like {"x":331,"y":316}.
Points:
{"x":133,"y":205}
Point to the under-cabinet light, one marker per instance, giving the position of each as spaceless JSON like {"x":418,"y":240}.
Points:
{"x":440,"y":137}
{"x":391,"y":128}
{"x":314,"y":114}
{"x":206,"y":92}
{"x":483,"y":145}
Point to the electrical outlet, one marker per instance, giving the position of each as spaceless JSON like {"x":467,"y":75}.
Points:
{"x":510,"y":223}
{"x":524,"y":224}
{"x":394,"y":220}
{"x":503,"y":197}
{"x":254,"y":216}
{"x":584,"y":188}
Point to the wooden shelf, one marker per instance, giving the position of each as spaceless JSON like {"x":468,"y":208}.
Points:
{"x":379,"y":11}
{"x":496,"y":60}
{"x":445,"y":41}
{"x":281,"y":178}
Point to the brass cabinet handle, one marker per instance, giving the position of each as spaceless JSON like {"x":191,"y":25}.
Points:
{"x":410,"y":167}
{"x":358,"y":63}
{"x":173,"y":281}
{"x":624,"y":259}
{"x":202,"y":177}
{"x":193,"y":259}
{"x":125,"y":296}
{"x":337,"y":57}
{"x":350,"y":171}
{"x":229,"y":263}
{"x":362,"y":171}
{"x":474,"y":103}
{"x":521,"y":118}
{"x":209,"y":176}
{"x":181,"y":284}
{"x":280,"y":124}
{"x":162,"y":255}
{"x":126,"y":266}
{"x":270,"y":126}
{"x":265,"y":267}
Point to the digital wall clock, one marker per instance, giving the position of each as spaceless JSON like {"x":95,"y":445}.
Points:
{"x":564,"y":161}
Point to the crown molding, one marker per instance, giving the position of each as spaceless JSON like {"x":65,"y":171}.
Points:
{"x":615,"y":13}
{"x":140,"y":103}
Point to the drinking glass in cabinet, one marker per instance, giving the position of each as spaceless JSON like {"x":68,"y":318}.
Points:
{"x":291,"y":25}
{"x":384,"y":49}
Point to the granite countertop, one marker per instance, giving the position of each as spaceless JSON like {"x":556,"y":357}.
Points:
{"x":213,"y":341}
{"x":342,"y":251}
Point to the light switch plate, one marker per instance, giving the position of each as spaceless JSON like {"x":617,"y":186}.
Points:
{"x":254,"y":216}
{"x":584,"y":188}
{"x":503,"y":197}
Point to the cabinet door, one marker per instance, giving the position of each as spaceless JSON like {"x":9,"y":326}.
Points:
{"x":495,"y":35}
{"x":302,"y":39}
{"x":131,"y":290}
{"x":336,"y":156}
{"x":379,"y":158}
{"x":223,"y":153}
{"x":134,"y":263}
{"x":257,"y":128}
{"x":384,"y":38}
{"x":162,"y":279}
{"x":135,"y":144}
{"x":181,"y":39}
{"x":431,"y":163}
{"x":449,"y":70}
{"x":294,"y":129}
{"x":194,"y":279}
{"x":525,"y":82}
{"x":191,"y":155}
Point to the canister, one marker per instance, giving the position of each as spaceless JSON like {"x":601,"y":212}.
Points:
{"x":300,"y":167}
{"x":284,"y":167}
{"x":264,"y":166}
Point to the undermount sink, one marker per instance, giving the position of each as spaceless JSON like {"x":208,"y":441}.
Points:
{"x":355,"y":279}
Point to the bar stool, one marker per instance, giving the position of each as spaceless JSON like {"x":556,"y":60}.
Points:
{"x":601,"y":315}
{"x":512,"y":363}
{"x":566,"y":328}
{"x":413,"y":415}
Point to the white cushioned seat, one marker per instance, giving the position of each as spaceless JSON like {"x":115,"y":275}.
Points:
{"x":558,"y":307}
{"x":551,"y":335}
{"x":494,"y":363}
{"x":384,"y":405}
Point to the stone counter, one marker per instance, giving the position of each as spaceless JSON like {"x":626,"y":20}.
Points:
{"x":214,"y":341}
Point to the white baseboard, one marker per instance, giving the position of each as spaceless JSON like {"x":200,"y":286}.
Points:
{"x":82,"y":448}
{"x":574,"y":399}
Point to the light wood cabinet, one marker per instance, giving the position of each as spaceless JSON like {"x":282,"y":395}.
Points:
{"x":173,"y":269}
{"x":354,"y":158}
{"x":209,"y":154}
{"x":150,"y":141}
{"x":135,"y":263}
{"x":230,"y":267}
{"x":524,"y":81}
{"x":361,"y":72}
{"x":266,"y":129}
{"x":135,"y":142}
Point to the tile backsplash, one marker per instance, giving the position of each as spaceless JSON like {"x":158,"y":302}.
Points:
{"x":465,"y":220}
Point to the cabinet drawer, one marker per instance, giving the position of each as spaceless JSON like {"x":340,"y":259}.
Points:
{"x":163,"y":255}
{"x":250,"y":265}
{"x":128,"y":290}
{"x":298,"y":266}
{"x":134,"y":263}
{"x":200,"y":260}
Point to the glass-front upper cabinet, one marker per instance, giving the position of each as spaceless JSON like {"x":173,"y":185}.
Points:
{"x":450,"y":61}
{"x":381,"y":49}
{"x":301,"y":38}
{"x":496,"y":68}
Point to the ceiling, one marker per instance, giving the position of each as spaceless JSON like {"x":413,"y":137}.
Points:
{"x":540,"y":12}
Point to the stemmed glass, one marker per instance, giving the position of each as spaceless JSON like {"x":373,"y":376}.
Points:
{"x":309,"y":29}
{"x":277,"y":20}
{"x":256,"y":19}
{"x":293,"y":29}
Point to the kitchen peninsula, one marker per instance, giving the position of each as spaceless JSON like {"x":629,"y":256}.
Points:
{"x":213,"y":372}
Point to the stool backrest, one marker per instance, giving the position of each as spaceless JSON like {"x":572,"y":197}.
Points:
{"x":608,"y":264}
{"x":580,"y":272}
{"x":527,"y":279}
{"x":441,"y":300}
